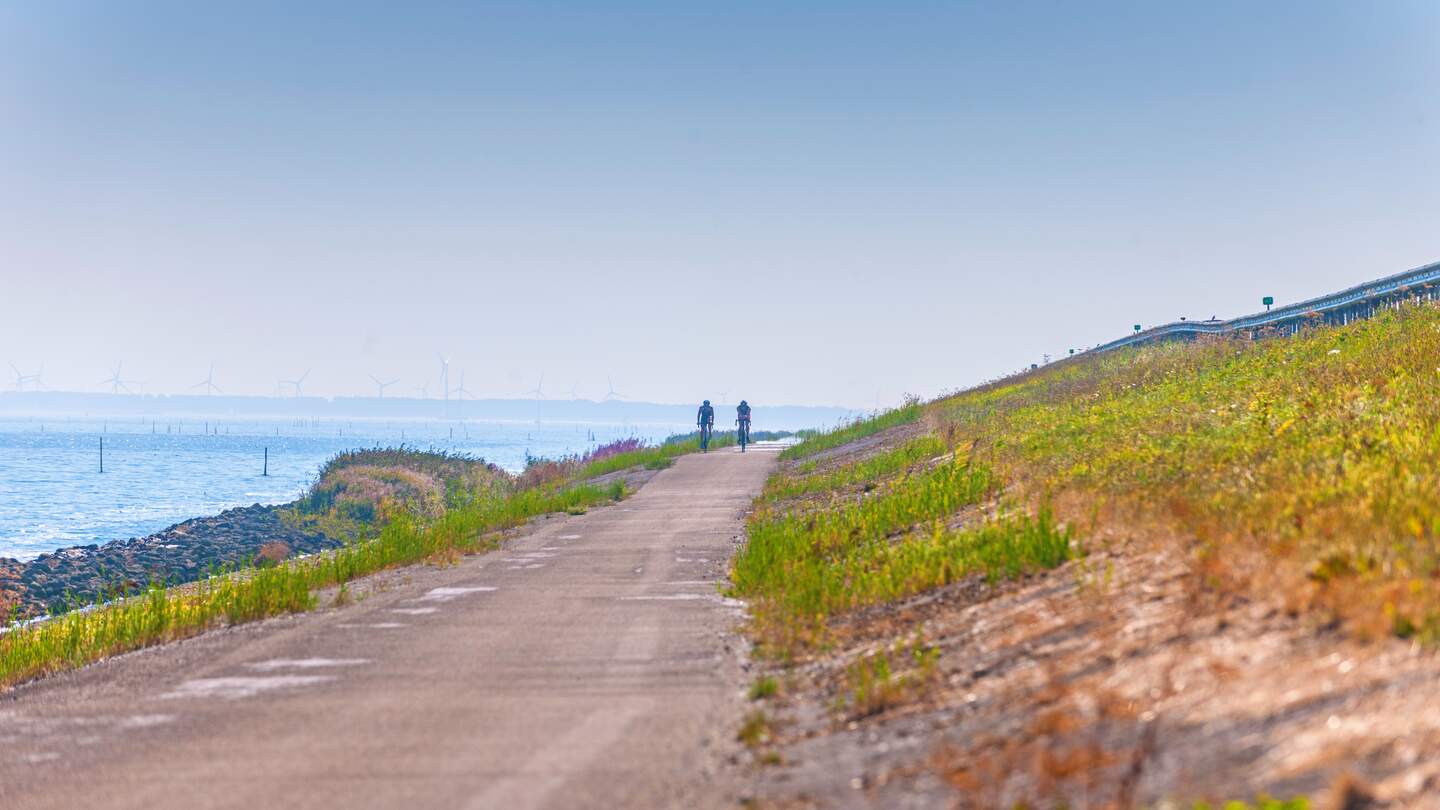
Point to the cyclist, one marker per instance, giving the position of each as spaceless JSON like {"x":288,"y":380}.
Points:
{"x":705,"y":420}
{"x":742,"y":421}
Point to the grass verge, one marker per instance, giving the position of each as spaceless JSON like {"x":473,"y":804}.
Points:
{"x":859,"y":429}
{"x":163,"y":614}
{"x":798,"y":568}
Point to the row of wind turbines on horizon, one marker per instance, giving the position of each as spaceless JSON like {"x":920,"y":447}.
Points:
{"x":117,"y":384}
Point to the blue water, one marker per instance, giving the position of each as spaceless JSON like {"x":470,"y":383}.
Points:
{"x":52,"y":494}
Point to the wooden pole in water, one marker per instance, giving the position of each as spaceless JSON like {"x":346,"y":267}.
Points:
{"x":266,"y":470}
{"x":102,"y":454}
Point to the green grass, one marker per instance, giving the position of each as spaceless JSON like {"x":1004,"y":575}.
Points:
{"x":647,"y":457}
{"x":756,"y":730}
{"x":766,"y":687}
{"x":875,"y":683}
{"x":800,"y":568}
{"x":817,"y":442}
{"x":1306,"y":466}
{"x":788,"y":485}
{"x":1260,"y":803}
{"x":164,"y":614}
{"x":656,"y":457}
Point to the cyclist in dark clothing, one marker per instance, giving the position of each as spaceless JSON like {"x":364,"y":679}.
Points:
{"x":705,"y":420}
{"x":742,"y":422}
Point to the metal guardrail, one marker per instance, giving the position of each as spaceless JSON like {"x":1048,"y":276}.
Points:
{"x":1341,"y":307}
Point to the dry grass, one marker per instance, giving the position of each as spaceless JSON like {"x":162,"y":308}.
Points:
{"x":272,"y":553}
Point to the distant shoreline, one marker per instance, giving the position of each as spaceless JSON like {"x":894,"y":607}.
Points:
{"x":182,"y":552}
{"x":65,"y":404}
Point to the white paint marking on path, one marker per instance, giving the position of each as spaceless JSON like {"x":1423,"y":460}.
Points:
{"x":147,"y":720}
{"x":375,"y":626}
{"x":692,"y":582}
{"x":306,"y":663}
{"x":234,"y":688}
{"x":446,"y":594}
{"x":673,"y":597}
{"x":568,"y":537}
{"x":414,"y":611}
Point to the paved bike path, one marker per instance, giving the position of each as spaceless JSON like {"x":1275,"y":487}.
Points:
{"x":589,"y":664}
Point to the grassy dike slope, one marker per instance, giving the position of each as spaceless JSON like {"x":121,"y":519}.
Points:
{"x":1185,"y":573}
{"x":391,"y":507}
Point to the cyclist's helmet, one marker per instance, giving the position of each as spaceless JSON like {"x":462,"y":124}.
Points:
{"x":743,"y":402}
{"x":707,"y":402}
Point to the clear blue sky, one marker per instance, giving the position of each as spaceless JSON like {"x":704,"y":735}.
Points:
{"x":820,"y":202}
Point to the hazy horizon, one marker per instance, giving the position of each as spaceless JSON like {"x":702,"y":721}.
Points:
{"x":827,"y":204}
{"x":45,"y":406}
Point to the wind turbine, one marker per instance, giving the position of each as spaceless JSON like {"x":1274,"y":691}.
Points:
{"x":21,"y":378}
{"x":381,"y":386}
{"x":461,"y":391}
{"x":613,"y":394}
{"x":538,"y":392}
{"x":444,"y":376}
{"x":116,"y":384}
{"x":574,"y":395}
{"x":423,"y":389}
{"x":299,"y":392}
{"x":208,"y":383}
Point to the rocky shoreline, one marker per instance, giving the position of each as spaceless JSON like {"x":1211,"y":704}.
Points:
{"x":182,"y":553}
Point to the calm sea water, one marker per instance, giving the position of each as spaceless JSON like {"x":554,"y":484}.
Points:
{"x":52,"y":494}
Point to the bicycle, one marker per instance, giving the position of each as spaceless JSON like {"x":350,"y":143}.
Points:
{"x":705,"y":431}
{"x":742,"y":433}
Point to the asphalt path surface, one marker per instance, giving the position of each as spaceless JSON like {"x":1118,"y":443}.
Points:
{"x":590,"y":663}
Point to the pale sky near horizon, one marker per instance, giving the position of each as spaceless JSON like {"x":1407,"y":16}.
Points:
{"x":808,"y":203}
